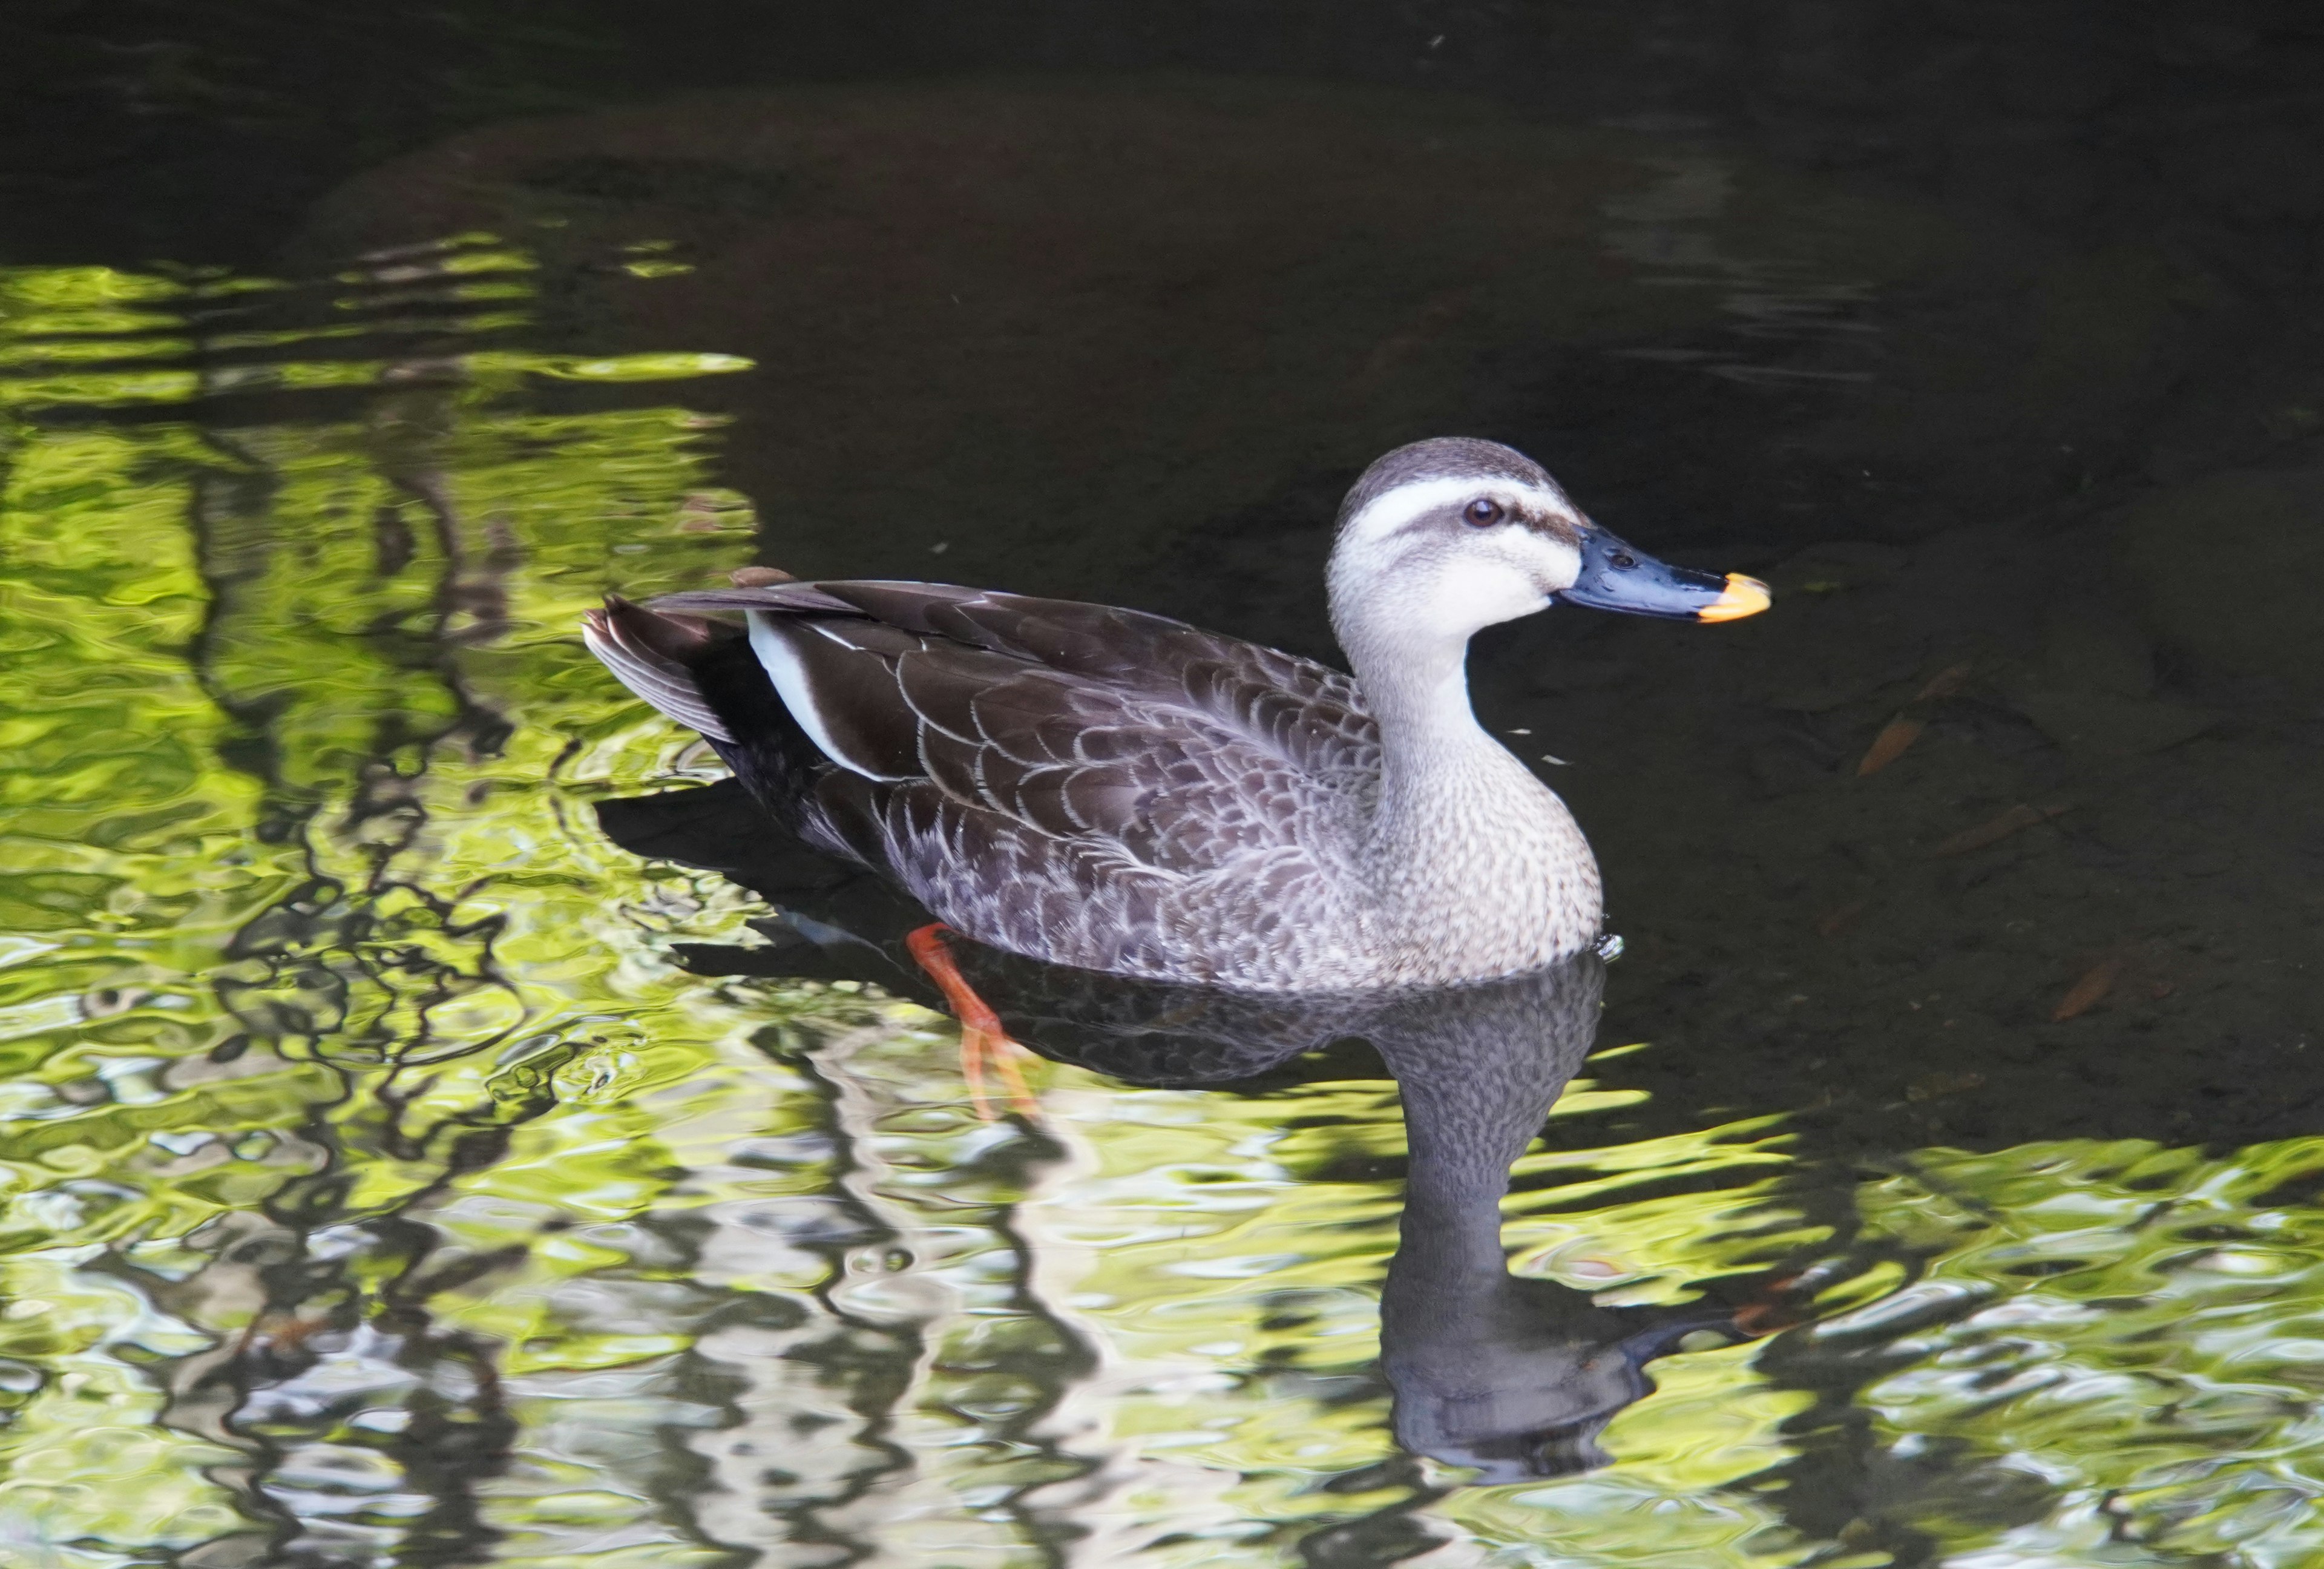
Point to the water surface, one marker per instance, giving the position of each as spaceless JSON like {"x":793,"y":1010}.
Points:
{"x":400,"y":1171}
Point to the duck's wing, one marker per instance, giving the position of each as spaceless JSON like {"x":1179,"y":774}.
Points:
{"x":1177,"y":749}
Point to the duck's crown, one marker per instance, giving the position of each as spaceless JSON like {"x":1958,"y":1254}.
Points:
{"x":1423,"y":475}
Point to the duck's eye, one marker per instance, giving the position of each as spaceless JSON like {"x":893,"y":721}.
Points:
{"x":1484,"y":513}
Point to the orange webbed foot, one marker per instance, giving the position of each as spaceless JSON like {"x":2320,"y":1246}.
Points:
{"x":985,"y":1045}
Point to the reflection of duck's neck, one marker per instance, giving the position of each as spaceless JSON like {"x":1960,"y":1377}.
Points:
{"x":1479,"y":1069}
{"x":1463,"y":1134}
{"x":1507,"y":1374}
{"x":1467,"y":1118}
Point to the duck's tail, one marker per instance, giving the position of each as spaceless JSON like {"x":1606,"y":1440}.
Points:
{"x":702,"y":672}
{"x":652,"y":654}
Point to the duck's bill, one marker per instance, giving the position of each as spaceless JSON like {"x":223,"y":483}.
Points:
{"x":1614,"y":577}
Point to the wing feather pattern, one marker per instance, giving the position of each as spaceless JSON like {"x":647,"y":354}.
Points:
{"x":1091,"y":785}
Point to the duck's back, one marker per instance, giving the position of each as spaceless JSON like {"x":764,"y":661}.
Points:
{"x":1079,"y":783}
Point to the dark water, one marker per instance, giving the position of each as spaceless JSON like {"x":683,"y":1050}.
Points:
{"x":400,"y":1170}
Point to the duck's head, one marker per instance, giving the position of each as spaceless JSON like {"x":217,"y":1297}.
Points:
{"x":1443,"y":537}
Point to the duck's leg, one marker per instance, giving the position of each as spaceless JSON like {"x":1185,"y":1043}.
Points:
{"x":1786,"y":1300}
{"x":984,"y":1043}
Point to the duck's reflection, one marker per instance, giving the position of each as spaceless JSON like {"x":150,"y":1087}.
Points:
{"x":1512,"y":1375}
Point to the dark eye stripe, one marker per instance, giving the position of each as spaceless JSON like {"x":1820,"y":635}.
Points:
{"x":1557,"y":528}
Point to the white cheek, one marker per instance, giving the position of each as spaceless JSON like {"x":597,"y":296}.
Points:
{"x":1556,"y":565}
{"x":1470,"y":592}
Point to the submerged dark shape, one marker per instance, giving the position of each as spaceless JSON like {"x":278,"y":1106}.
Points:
{"x":1115,"y":790}
{"x":1512,"y":1375}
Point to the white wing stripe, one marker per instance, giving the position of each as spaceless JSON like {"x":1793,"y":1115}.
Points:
{"x":785,"y":670}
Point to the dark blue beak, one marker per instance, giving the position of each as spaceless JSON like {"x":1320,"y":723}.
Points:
{"x":1614,"y":577}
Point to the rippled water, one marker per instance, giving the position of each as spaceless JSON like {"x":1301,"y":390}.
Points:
{"x":391,"y":1179}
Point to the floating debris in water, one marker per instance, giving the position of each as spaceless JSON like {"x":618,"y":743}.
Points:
{"x":1905,"y":728}
{"x":1994,"y":829}
{"x":1889,"y":745}
{"x":2086,"y":993}
{"x":1933,"y":1086}
{"x":1829,"y":924}
{"x":1945,"y":682}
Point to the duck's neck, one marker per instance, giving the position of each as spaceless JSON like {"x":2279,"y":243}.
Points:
{"x":1478,"y":867}
{"x":1432,"y":747}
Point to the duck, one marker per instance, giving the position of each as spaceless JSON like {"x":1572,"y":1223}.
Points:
{"x":1114,"y":790}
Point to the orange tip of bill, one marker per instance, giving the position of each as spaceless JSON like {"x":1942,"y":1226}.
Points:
{"x":1744,"y":596}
